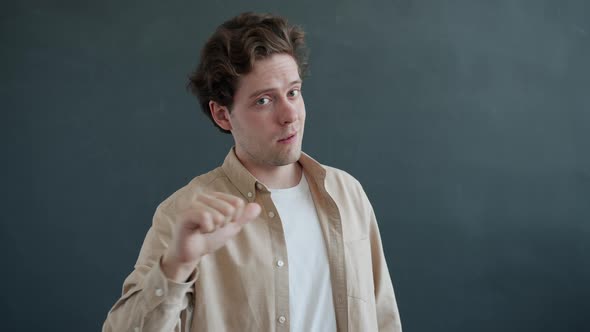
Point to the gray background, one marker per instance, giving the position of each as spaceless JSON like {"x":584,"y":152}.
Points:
{"x":467,"y":122}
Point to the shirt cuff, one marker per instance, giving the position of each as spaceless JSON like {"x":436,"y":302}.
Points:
{"x":159,"y":289}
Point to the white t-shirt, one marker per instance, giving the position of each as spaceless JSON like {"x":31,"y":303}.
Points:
{"x":310,"y":290}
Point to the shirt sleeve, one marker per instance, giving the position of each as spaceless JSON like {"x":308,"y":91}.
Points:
{"x":388,"y":316}
{"x":150,"y":301}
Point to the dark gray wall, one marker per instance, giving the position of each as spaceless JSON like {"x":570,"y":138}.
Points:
{"x":467,"y":122}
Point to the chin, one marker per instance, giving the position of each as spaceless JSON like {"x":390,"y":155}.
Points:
{"x":287,"y":159}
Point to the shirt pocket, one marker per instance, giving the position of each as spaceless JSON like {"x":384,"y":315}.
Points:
{"x":359,"y":269}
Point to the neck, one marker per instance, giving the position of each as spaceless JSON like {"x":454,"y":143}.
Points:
{"x":274,"y":177}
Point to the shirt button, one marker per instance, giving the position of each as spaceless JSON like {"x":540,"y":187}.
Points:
{"x":159,"y":292}
{"x":280,"y":263}
{"x":249,"y":194}
{"x":259,"y":186}
{"x":282,"y":319}
{"x":136,"y":329}
{"x":271,"y":214}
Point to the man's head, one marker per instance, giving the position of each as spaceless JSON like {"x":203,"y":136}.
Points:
{"x":249,"y":84}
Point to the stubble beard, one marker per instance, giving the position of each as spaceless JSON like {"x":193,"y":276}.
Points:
{"x":284,"y":160}
{"x":280,"y":158}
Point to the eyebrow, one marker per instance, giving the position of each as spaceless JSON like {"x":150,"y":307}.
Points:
{"x":256,"y":93}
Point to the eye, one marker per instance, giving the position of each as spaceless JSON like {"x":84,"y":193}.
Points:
{"x":262,"y":101}
{"x":294,"y":93}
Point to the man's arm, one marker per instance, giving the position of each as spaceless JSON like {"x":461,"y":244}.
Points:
{"x":387,"y":312}
{"x":388,"y":318}
{"x":150,"y":301}
{"x":186,"y":227}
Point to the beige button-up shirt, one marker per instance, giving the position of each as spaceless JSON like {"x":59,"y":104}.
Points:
{"x":244,"y":286}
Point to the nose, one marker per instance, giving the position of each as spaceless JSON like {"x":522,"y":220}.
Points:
{"x":288,"y":111}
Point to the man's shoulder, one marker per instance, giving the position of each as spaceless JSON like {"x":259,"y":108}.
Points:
{"x":331,"y":173}
{"x":205,"y":180}
{"x":342,"y":184}
{"x":347,"y":191}
{"x":338,"y":175}
{"x":198,"y":184}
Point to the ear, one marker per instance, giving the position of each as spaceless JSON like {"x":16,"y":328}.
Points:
{"x":220,"y":115}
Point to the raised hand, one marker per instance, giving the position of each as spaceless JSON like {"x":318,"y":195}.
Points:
{"x":204,"y":225}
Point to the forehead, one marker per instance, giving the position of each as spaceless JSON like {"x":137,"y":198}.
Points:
{"x":275,"y":71}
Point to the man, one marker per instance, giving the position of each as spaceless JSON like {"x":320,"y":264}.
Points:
{"x":271,"y":240}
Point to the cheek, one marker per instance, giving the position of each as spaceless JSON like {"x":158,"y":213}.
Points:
{"x":302,"y":105}
{"x":258,"y":125}
{"x":246,"y":120}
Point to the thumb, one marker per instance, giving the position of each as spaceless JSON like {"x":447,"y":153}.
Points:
{"x":251,"y":211}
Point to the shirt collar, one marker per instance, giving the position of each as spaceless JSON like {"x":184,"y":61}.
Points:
{"x":247,"y":183}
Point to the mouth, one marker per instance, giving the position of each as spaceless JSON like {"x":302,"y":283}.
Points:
{"x":288,"y":139}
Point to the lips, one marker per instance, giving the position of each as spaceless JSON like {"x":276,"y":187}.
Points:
{"x":288,"y":137}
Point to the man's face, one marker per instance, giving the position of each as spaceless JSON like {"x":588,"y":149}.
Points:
{"x":268,"y":114}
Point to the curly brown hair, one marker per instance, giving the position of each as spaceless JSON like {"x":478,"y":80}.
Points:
{"x":232,"y":50}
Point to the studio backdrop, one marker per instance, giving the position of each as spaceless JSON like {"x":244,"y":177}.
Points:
{"x":467,"y":123}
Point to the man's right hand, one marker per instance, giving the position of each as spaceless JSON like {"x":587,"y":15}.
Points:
{"x":204,"y":225}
